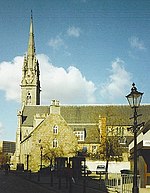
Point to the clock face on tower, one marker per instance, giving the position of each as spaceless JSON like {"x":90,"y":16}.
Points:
{"x":29,"y":77}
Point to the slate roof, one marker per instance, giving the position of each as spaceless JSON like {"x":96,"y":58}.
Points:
{"x":146,"y":127}
{"x":30,"y":111}
{"x":116,"y":114}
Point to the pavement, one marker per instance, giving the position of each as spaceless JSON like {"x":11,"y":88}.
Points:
{"x":15,"y":182}
{"x":21,"y":182}
{"x":11,"y":183}
{"x":68,"y":185}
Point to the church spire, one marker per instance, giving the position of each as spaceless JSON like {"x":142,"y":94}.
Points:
{"x":31,"y":44}
{"x":30,"y":84}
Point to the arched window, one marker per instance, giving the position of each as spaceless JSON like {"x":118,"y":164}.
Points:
{"x":55,"y":129}
{"x":55,"y":143}
{"x":28,"y":98}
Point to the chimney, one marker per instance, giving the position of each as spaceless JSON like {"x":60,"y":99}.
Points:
{"x":55,"y":107}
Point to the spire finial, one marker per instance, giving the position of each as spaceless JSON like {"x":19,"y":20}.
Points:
{"x":31,"y":44}
{"x":31,"y":14}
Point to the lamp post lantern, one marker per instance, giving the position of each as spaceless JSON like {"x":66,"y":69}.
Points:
{"x":134,"y":99}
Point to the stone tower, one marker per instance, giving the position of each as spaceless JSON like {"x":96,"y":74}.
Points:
{"x":30,"y":84}
{"x":30,"y":88}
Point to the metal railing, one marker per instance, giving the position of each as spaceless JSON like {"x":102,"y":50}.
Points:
{"x":108,"y":182}
{"x":121,"y":183}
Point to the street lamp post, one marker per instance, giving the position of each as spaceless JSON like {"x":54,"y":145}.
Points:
{"x":134,"y":99}
{"x":41,"y":148}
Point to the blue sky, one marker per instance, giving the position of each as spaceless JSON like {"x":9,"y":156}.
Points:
{"x":90,"y":52}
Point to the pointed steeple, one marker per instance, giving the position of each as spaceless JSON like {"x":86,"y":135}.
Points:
{"x":31,"y":43}
{"x":30,"y":84}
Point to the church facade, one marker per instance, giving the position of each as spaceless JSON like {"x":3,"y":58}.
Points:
{"x":45,"y":132}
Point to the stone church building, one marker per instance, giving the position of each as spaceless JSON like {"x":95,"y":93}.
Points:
{"x":45,"y":132}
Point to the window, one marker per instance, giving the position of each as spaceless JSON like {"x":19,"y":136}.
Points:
{"x":94,"y":148}
{"x":28,"y":98}
{"x":55,"y":129}
{"x":120,"y":131}
{"x":80,"y":135}
{"x":122,"y":140}
{"x":55,"y":143}
{"x":116,"y":130}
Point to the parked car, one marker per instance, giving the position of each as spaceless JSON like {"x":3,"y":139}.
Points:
{"x":101,"y":169}
{"x":86,"y":169}
{"x":126,"y":171}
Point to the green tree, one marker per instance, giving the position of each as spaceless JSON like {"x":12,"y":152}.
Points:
{"x":110,"y":149}
{"x":4,"y":158}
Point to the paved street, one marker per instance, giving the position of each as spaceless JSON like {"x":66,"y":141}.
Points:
{"x":18,"y":183}
{"x":14,"y":184}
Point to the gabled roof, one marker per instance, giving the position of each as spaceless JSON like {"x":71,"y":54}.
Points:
{"x":30,"y":111}
{"x":146,"y":127}
{"x":116,"y":114}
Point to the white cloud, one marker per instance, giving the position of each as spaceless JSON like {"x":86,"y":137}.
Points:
{"x":135,"y":42}
{"x":56,"y":42}
{"x":74,"y":31}
{"x":118,"y":83}
{"x":68,"y":86}
{"x":10,"y":77}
